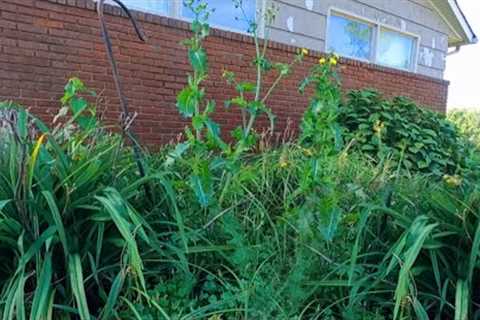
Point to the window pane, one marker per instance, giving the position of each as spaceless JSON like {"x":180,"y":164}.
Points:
{"x":349,"y":37}
{"x":227,"y":15}
{"x":395,"y":49}
{"x":150,"y":6}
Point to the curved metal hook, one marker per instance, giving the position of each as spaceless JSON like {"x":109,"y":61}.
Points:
{"x":100,"y":9}
{"x":126,"y":118}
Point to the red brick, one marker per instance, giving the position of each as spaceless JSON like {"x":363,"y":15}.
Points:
{"x":45,"y":42}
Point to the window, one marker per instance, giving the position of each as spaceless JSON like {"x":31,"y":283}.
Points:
{"x":367,"y":40}
{"x":349,"y":37}
{"x":226,"y":15}
{"x":395,"y":49}
{"x":152,"y":6}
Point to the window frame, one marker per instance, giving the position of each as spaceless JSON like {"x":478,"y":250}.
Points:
{"x":168,"y":12}
{"x":376,"y":28}
{"x":175,"y":11}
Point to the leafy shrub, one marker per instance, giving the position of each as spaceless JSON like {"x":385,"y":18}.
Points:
{"x":417,"y":139}
{"x":468,"y":123}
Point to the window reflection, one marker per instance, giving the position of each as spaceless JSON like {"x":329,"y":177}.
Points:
{"x":349,"y":37}
{"x":395,"y":49}
{"x":227,"y":15}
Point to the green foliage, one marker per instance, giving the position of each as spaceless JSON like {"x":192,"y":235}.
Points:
{"x":191,"y":101}
{"x":309,"y":230}
{"x":66,"y":231}
{"x":300,"y":232}
{"x":416,"y":139}
{"x":468,"y":122}
{"x":320,"y":129}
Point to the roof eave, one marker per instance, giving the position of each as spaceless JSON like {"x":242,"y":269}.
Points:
{"x":470,"y":37}
{"x":452,"y":14}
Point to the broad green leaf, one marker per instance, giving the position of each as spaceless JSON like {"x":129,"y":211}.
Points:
{"x":187,"y":102}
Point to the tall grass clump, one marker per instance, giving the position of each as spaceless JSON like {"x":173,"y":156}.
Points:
{"x":70,"y":237}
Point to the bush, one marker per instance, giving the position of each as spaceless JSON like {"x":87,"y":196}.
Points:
{"x":418,"y":139}
{"x":468,"y":123}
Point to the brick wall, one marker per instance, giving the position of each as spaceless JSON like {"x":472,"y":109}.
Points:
{"x":45,"y":42}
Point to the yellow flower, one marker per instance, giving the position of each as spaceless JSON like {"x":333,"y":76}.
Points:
{"x":308,"y":152}
{"x":283,"y":164}
{"x":378,"y":126}
{"x":333,"y":61}
{"x":452,"y":181}
{"x":304,"y":51}
{"x":322,"y":61}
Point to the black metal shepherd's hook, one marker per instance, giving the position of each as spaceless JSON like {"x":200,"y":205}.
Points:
{"x":126,"y":118}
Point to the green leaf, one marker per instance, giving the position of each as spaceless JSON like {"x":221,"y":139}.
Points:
{"x":22,"y":124}
{"x":198,"y":60}
{"x":245,"y":87}
{"x":462,"y":300}
{"x":177,"y":153}
{"x":41,"y":297}
{"x":198,"y":122}
{"x":57,"y":220}
{"x":187,"y":102}
{"x":113,"y":295}
{"x":78,"y":105}
{"x":329,"y":223}
{"x":75,"y":274}
{"x":197,"y":186}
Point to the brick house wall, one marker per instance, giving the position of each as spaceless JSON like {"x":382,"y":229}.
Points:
{"x":45,"y":42}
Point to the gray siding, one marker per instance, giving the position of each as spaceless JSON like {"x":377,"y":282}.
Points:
{"x":303,"y":23}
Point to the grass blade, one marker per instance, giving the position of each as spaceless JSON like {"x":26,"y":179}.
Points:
{"x":40,"y":305}
{"x":113,"y":295}
{"x":76,"y":281}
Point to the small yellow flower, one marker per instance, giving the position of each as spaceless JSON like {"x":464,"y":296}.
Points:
{"x":308,"y":152}
{"x":304,"y":51}
{"x":322,"y":61}
{"x":333,"y":61}
{"x":452,"y":181}
{"x":283,"y":161}
{"x":378,"y":126}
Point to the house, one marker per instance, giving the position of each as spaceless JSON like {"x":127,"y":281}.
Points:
{"x":397,"y":46}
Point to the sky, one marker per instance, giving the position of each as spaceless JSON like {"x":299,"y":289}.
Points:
{"x":463,"y":68}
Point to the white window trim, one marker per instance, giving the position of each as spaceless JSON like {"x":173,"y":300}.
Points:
{"x":376,"y":27}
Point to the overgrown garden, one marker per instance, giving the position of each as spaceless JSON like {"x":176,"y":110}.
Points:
{"x":372,"y":212}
